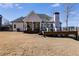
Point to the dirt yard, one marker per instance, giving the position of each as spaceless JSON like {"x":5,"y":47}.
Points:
{"x":21,"y":44}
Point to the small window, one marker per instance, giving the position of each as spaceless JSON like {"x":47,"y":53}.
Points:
{"x":14,"y":26}
{"x":52,"y":25}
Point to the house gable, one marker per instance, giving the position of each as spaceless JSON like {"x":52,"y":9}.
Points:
{"x":32,"y":17}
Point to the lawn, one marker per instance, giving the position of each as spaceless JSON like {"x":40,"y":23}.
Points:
{"x":22,"y":44}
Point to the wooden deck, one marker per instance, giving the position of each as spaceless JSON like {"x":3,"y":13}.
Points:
{"x":62,"y":33}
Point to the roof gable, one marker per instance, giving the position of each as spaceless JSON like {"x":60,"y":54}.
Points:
{"x":32,"y":17}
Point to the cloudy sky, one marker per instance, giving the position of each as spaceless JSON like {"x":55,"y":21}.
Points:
{"x":11,"y":11}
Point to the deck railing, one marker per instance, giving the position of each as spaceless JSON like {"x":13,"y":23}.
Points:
{"x":70,"y":29}
{"x":61,"y":29}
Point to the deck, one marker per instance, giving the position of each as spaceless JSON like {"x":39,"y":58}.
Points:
{"x":62,"y":33}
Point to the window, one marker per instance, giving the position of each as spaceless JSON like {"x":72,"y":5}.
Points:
{"x":52,"y":25}
{"x":14,"y":26}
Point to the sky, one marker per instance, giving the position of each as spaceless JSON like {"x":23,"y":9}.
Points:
{"x":12,"y":11}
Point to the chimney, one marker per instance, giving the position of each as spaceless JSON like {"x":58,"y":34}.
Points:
{"x":56,"y":17}
{"x":56,"y":21}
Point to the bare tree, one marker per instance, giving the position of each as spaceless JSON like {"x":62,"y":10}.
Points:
{"x":5,"y":21}
{"x":68,"y":8}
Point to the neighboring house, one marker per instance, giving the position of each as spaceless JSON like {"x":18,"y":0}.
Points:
{"x":0,"y":21}
{"x":7,"y":27}
{"x":37,"y":22}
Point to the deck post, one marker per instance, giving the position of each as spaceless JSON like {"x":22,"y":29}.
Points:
{"x":44,"y":34}
{"x":76,"y":33}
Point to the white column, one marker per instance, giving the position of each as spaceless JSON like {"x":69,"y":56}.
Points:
{"x":32,"y":26}
{"x":23,"y":26}
{"x":40,"y":26}
{"x":26,"y":26}
{"x":54,"y":26}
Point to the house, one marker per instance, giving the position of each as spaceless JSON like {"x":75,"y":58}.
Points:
{"x":37,"y":22}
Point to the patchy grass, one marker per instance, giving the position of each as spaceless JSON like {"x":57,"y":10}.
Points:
{"x":18,"y":43}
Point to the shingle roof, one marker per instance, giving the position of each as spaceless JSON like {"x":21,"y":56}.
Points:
{"x":44,"y":16}
{"x":20,"y":19}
